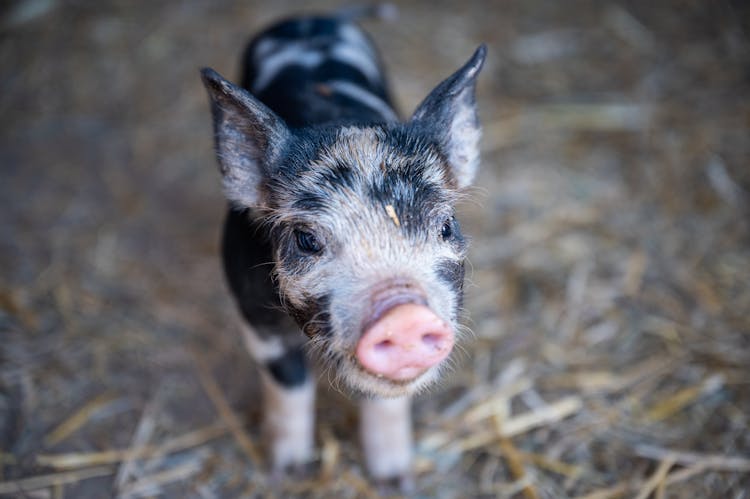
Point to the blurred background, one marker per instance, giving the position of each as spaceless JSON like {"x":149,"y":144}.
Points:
{"x":609,"y":291}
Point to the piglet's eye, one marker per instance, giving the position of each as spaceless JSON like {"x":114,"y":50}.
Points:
{"x":447,"y":230}
{"x":307,"y":242}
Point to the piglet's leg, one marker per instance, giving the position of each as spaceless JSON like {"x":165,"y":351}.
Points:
{"x":288,"y":423}
{"x":288,"y":400}
{"x":385,"y":432}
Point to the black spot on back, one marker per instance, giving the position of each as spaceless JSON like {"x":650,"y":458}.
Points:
{"x":308,"y":27}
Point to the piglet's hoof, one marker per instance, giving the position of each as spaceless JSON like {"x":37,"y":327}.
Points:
{"x":400,"y":485}
{"x":291,"y":473}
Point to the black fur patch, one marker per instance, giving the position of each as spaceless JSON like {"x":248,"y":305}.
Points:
{"x":411,"y":196}
{"x":309,"y":27}
{"x":290,"y":369}
{"x":457,"y":238}
{"x":248,"y":266}
{"x":294,"y":97}
{"x":315,"y":318}
{"x":303,"y":150}
{"x":339,"y":177}
{"x":452,"y":273}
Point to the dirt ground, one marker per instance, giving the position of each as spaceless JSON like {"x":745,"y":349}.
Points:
{"x":609,"y":293}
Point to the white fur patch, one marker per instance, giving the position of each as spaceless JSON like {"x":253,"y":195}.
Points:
{"x":385,"y":432}
{"x":261,"y":350}
{"x":356,"y":57}
{"x":288,"y":422}
{"x":355,"y":36}
{"x":363,"y":96}
{"x":292,"y":54}
{"x":265,"y":47}
{"x":272,"y":56}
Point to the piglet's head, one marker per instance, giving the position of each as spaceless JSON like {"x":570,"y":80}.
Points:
{"x":369,"y":257}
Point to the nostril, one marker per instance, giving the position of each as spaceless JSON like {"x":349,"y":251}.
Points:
{"x":383,"y":346}
{"x":433,"y":340}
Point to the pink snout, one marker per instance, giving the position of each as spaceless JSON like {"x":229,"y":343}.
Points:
{"x":404,"y":342}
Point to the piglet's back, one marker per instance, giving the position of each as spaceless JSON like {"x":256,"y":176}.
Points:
{"x":318,"y":70}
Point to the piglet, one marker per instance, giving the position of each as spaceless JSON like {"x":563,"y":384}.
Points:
{"x":340,"y":240}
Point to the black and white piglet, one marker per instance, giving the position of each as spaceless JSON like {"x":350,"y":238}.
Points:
{"x":342,"y":224}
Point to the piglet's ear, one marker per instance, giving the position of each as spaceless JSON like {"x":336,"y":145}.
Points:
{"x":249,"y":138}
{"x":450,"y":114}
